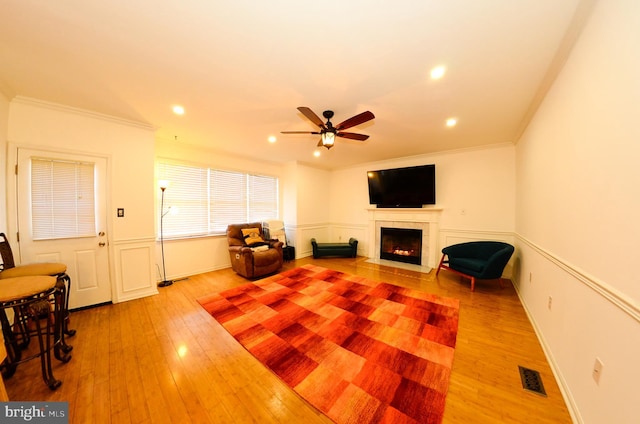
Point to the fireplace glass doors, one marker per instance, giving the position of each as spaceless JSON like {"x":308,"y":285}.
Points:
{"x":401,"y":245}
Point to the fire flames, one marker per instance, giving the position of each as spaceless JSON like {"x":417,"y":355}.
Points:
{"x":401,"y":252}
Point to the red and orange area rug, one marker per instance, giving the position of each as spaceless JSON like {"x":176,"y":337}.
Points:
{"x":358,"y":350}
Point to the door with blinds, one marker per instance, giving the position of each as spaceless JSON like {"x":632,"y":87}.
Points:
{"x":62,"y":218}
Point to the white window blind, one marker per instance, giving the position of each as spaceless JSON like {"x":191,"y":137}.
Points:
{"x":228,"y":199}
{"x":263,"y":195}
{"x":203,"y":200}
{"x":185,"y":202}
{"x":62,"y":199}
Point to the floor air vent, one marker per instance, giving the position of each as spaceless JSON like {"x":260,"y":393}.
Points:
{"x":531,"y":381}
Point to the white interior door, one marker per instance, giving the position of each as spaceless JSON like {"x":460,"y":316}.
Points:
{"x":62,"y":218}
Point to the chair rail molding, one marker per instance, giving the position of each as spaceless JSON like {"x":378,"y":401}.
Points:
{"x":622,"y":301}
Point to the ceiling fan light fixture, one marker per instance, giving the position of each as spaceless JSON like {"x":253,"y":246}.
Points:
{"x":328,"y":139}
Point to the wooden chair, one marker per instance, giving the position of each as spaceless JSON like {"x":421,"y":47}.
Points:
{"x":8,"y":269}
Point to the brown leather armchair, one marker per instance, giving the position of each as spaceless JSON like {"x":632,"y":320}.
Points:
{"x":254,"y":259}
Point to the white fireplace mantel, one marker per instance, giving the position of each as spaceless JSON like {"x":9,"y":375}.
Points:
{"x":428,"y":218}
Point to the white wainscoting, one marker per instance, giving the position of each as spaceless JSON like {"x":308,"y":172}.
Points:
{"x":133,"y":269}
{"x":341,"y":233}
{"x":300,"y":236}
{"x":589,"y":319}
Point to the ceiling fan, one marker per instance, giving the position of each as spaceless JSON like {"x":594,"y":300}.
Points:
{"x":328,"y":132}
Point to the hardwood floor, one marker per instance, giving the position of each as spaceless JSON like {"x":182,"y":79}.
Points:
{"x":163,"y":359}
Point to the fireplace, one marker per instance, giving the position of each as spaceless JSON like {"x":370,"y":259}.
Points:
{"x":425,"y":219}
{"x":401,"y":245}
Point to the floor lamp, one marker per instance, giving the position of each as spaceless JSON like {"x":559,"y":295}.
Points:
{"x":164,"y":283}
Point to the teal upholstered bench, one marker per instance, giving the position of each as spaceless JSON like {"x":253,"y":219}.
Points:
{"x":349,"y":250}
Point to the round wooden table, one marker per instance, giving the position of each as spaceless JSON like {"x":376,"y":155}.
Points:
{"x":37,"y":303}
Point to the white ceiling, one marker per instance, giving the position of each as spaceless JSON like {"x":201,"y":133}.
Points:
{"x":240,"y":68}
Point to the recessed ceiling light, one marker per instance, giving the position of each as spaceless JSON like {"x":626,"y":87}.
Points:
{"x":178,"y":110}
{"x":438,"y":72}
{"x":451,"y":122}
{"x":272,"y":139}
{"x":316,"y":153}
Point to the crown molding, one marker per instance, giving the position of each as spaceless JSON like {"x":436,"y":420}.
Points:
{"x":30,"y":101}
{"x":6,"y":91}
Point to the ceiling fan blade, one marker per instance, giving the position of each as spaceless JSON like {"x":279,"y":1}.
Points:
{"x":311,"y":116}
{"x":352,"y":136}
{"x":355,"y":120}
{"x":299,"y":132}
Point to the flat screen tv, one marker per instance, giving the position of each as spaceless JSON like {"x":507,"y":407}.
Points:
{"x":410,"y":187}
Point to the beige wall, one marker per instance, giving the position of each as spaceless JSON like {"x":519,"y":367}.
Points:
{"x":305,"y":203}
{"x":570,"y":207}
{"x":4,"y":128}
{"x":193,"y":256}
{"x":576,"y":217}
{"x":312,"y":191}
{"x":129,"y":150}
{"x":304,"y":195}
{"x":474,"y":188}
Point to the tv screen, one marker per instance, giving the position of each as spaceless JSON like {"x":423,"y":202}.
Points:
{"x":409,"y":187}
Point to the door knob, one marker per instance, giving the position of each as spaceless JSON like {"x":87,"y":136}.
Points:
{"x":102,"y":244}
{"x":101,"y":233}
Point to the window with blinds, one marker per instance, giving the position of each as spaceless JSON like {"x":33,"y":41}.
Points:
{"x":63,"y":203}
{"x":202,"y":201}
